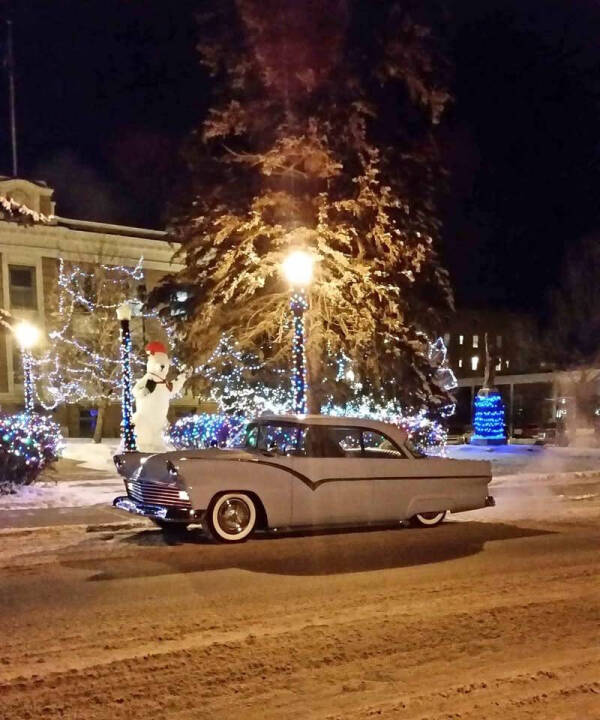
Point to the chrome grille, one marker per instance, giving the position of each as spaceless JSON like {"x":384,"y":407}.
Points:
{"x":151,"y":493}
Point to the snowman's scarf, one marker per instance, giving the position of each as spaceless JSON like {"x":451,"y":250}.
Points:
{"x":151,"y":384}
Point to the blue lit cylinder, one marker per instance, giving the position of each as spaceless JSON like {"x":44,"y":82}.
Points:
{"x":28,"y":387}
{"x":488,"y":418}
{"x":127,"y":429}
{"x":299,"y":305}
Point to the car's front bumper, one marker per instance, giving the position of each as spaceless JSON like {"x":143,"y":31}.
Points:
{"x":157,"y":512}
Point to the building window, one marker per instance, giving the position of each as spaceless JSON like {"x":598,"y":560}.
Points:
{"x":461,"y":339}
{"x":446,"y":339}
{"x":498,"y":341}
{"x":475,"y":341}
{"x":474,"y":362}
{"x":22,"y":289}
{"x":460,"y":363}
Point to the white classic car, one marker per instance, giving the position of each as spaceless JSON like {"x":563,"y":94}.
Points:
{"x":301,"y":471}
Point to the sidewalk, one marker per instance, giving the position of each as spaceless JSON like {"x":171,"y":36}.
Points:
{"x":53,"y":517}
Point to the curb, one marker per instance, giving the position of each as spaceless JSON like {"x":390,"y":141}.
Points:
{"x":16,"y":532}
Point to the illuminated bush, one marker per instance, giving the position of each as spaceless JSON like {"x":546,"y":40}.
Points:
{"x":28,"y":445}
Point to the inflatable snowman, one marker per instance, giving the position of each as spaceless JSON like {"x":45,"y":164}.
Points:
{"x":153,"y":393}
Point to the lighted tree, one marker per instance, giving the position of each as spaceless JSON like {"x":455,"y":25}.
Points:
{"x":83,"y":362}
{"x":320,"y":136}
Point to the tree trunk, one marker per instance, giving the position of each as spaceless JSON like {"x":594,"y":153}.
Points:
{"x":102,"y":405}
{"x":314,"y":377}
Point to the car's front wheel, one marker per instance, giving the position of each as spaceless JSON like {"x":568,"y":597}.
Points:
{"x":428,"y":519}
{"x":231,"y":517}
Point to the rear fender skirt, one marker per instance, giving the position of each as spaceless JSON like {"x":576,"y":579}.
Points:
{"x":423,"y":504}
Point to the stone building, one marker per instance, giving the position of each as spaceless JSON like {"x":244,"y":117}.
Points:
{"x":32,"y":240}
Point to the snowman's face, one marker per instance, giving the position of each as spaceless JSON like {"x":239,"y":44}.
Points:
{"x":158,"y":365}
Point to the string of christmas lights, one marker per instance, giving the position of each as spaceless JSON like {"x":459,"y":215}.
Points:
{"x":127,"y":430}
{"x":28,"y":381}
{"x":28,"y":444}
{"x":488,"y":420}
{"x":207,"y":430}
{"x":73,"y":371}
{"x":299,"y":305}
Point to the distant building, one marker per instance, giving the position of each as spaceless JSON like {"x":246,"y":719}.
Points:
{"x":535,"y":393}
{"x":32,"y":239}
{"x":511,"y":340}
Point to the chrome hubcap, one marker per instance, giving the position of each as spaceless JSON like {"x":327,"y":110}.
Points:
{"x":233,"y":516}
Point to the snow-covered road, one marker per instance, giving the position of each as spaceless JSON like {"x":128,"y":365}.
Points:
{"x":494,"y":614}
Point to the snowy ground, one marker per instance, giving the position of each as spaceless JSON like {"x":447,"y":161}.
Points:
{"x":84,"y":476}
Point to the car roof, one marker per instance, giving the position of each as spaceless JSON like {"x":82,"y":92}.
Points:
{"x":394,"y":432}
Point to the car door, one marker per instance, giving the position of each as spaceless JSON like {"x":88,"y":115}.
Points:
{"x":394,"y":476}
{"x":331,"y":484}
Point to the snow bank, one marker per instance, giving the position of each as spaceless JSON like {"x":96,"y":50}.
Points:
{"x":62,"y":495}
{"x":93,"y":481}
{"x":91,"y":455}
{"x":531,"y":459}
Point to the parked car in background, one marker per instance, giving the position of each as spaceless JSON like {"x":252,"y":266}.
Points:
{"x":302,"y":471}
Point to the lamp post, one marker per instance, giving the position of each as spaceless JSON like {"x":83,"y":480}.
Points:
{"x":298,"y":269}
{"x":27,"y":336}
{"x":127,"y":431}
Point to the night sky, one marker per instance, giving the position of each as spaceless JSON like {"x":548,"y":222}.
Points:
{"x":106,"y":90}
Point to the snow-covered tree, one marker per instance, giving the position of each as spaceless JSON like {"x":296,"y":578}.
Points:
{"x":320,"y":137}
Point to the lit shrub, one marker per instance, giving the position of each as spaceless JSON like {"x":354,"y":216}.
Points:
{"x":28,"y":445}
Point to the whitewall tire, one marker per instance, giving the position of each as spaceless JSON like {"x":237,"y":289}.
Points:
{"x":430,"y":519}
{"x":232,"y":517}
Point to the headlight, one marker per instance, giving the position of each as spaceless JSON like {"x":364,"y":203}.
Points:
{"x":130,"y":486}
{"x":183,"y":495}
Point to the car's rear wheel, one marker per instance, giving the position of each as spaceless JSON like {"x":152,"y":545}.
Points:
{"x":428,"y":519}
{"x":231,"y":517}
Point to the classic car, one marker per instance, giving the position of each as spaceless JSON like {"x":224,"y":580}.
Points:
{"x":301,"y":471}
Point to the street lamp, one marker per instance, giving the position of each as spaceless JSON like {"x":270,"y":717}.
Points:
{"x":298,"y":270}
{"x":127,"y":431}
{"x":27,"y":335}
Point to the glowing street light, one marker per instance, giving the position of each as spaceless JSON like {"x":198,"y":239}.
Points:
{"x":27,"y":336}
{"x":298,"y":270}
{"x":127,"y":432}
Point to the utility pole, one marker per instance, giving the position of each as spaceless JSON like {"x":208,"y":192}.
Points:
{"x":10,"y":67}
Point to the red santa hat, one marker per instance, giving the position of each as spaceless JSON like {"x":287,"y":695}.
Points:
{"x":156,"y":347}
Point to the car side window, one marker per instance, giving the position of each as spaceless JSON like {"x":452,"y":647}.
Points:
{"x":377,"y":445}
{"x":280,"y":438}
{"x":329,"y":442}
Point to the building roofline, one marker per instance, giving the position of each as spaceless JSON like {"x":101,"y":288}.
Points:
{"x":109,"y":228}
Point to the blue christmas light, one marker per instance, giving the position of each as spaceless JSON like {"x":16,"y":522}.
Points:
{"x":127,"y":430}
{"x":488,"y":420}
{"x":207,"y":430}
{"x":29,"y":443}
{"x":299,"y":305}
